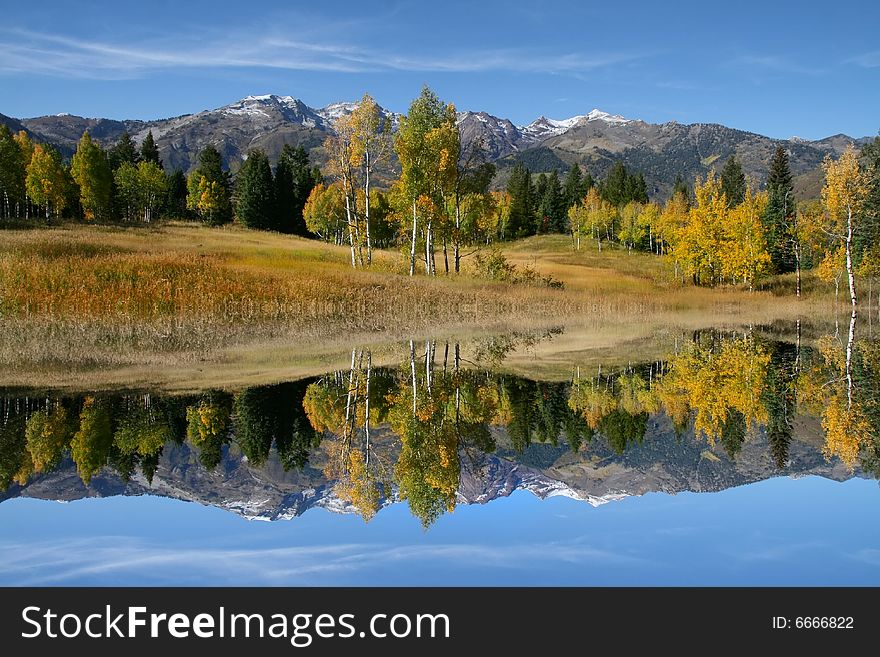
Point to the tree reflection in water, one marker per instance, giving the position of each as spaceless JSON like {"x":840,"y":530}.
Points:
{"x":408,"y":432}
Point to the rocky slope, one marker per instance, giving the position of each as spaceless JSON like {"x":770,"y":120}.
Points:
{"x":595,"y":139}
{"x":597,"y":475}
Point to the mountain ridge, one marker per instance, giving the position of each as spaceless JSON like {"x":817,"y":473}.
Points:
{"x":594,"y":140}
{"x":662,"y":463}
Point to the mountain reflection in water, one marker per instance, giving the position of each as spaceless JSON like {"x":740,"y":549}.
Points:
{"x":724,"y":409}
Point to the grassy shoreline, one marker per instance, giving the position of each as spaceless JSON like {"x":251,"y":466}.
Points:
{"x":174,"y":299}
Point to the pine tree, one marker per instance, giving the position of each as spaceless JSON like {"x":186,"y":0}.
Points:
{"x":587,"y":183}
{"x":869,"y":235}
{"x":522,"y":204}
{"x":294,"y":180}
{"x":12,"y":175}
{"x":779,"y":216}
{"x":175,"y":195}
{"x":149,"y":150}
{"x":733,"y":182}
{"x":552,"y":210}
{"x":614,"y":188}
{"x":124,"y":150}
{"x":637,"y":189}
{"x":576,"y":186}
{"x":540,"y":188}
{"x":91,"y":172}
{"x":255,"y":193}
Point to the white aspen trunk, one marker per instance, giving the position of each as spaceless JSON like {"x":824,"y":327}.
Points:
{"x":367,"y":407}
{"x":367,"y":169}
{"x":428,"y":365}
{"x":350,"y":229}
{"x":412,"y":252}
{"x":457,"y":390}
{"x":456,"y":247}
{"x":433,"y":261}
{"x":412,"y":362}
{"x":350,"y":384}
{"x":849,"y":263}
{"x":849,"y":352}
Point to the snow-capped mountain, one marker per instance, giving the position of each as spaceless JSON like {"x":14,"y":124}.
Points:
{"x":497,"y":137}
{"x":542,"y":127}
{"x":662,"y":462}
{"x":594,"y":140}
{"x":267,"y":107}
{"x":334,"y":111}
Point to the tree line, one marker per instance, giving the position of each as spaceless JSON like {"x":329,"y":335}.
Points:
{"x":440,"y":205}
{"x":129,"y":183}
{"x":724,"y":388}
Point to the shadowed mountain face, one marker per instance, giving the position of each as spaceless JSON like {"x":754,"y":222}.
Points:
{"x":724,"y":411}
{"x":595,"y":140}
{"x":661,"y":464}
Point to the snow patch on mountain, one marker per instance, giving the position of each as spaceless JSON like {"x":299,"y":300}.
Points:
{"x":334,"y":111}
{"x":543,"y":127}
{"x":599,"y":115}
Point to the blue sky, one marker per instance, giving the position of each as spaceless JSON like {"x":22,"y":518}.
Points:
{"x":777,"y":68}
{"x":796,"y":532}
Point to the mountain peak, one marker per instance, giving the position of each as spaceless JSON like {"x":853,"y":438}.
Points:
{"x":334,"y":111}
{"x":598,"y":115}
{"x":543,"y":127}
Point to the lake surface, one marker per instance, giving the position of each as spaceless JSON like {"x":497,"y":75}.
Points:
{"x":738,"y":458}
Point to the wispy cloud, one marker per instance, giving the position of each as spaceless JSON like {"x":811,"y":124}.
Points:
{"x":31,"y":52}
{"x":777,"y":64}
{"x":866,"y":59}
{"x":120,"y":559}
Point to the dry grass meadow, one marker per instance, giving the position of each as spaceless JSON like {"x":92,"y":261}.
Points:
{"x":180,"y":305}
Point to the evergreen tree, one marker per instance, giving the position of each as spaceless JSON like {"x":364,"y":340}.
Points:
{"x":255,"y":193}
{"x":869,"y":233}
{"x":733,"y":182}
{"x":576,"y":186}
{"x":149,"y":150}
{"x":522,"y":203}
{"x":175,"y":195}
{"x":208,"y":189}
{"x":12,"y":175}
{"x":552,"y":210}
{"x":615,"y":187}
{"x":620,"y":186}
{"x":274,"y":414}
{"x":637,"y":189}
{"x":477,"y":179}
{"x":294,"y":180}
{"x":779,"y":216}
{"x":540,"y":187}
{"x":123,"y":151}
{"x":681,"y":188}
{"x":91,"y":172}
{"x":778,"y":397}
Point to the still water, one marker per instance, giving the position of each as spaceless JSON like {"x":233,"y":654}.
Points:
{"x":735,"y":459}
